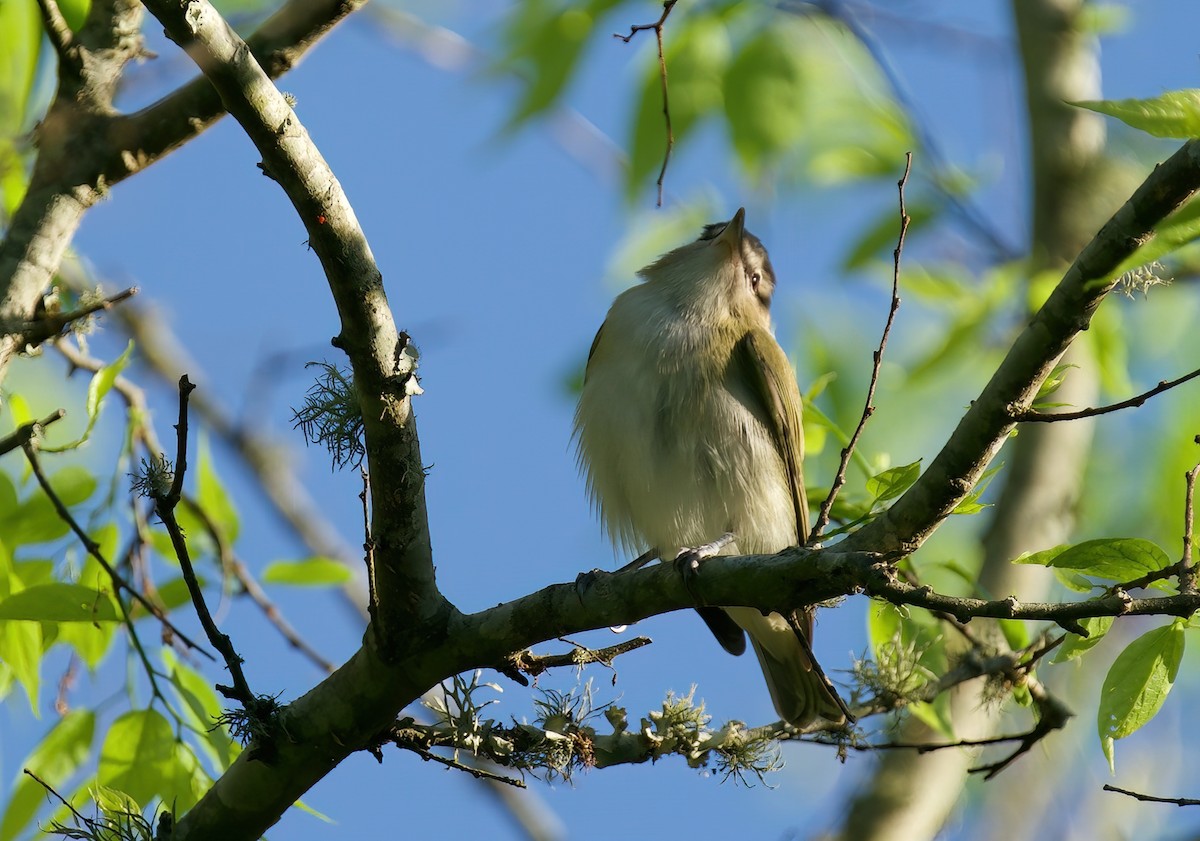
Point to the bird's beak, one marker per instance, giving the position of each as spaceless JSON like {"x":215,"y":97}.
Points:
{"x":732,"y":235}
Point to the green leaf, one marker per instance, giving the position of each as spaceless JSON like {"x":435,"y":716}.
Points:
{"x":548,"y":39}
{"x":20,"y":43}
{"x":879,"y":238}
{"x":21,"y":651}
{"x":1172,"y":114}
{"x":893,"y":481}
{"x":1137,"y":685}
{"x":213,"y":497}
{"x":764,"y":95}
{"x":59,"y":602}
{"x":59,"y":755}
{"x":1114,"y":559}
{"x":1074,"y":646}
{"x":311,"y":572}
{"x":75,"y":12}
{"x":138,"y":756}
{"x":971,"y":503}
{"x":201,"y":707}
{"x":1180,"y":228}
{"x":99,"y":387}
{"x":35,"y":520}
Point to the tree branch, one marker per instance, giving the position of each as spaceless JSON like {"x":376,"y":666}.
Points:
{"x":1034,"y":416}
{"x":986,"y":425}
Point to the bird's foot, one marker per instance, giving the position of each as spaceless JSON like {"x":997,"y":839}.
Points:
{"x":688,"y":561}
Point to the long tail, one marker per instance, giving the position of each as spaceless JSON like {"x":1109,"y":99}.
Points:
{"x":799,"y":689}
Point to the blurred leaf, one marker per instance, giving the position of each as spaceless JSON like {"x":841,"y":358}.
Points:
{"x":807,"y":88}
{"x":1114,"y":559}
{"x":697,"y":55}
{"x":764,"y":94}
{"x":20,"y":43}
{"x":214,"y":499}
{"x":546,"y":41}
{"x":310,"y":572}
{"x":98,"y":388}
{"x":138,"y":756}
{"x":1137,"y":684}
{"x":1179,"y":229}
{"x":55,"y":759}
{"x":935,"y":715}
{"x":75,"y":12}
{"x":34,"y":520}
{"x":1172,"y":114}
{"x":879,"y":238}
{"x":58,"y":602}
{"x":1074,"y":645}
{"x":1103,"y":18}
{"x":201,"y":709}
{"x":21,"y":651}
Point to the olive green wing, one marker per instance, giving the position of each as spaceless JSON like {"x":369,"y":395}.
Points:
{"x":761,"y":364}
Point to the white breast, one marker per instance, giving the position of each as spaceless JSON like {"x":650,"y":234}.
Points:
{"x":673,"y":458}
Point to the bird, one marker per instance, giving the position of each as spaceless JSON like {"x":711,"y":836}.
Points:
{"x":688,"y":433}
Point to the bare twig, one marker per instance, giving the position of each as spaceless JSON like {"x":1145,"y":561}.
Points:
{"x":51,"y":324}
{"x":368,"y":544}
{"x":657,"y":26}
{"x":234,"y":565}
{"x":26,"y":432}
{"x":1052,"y":715}
{"x":1187,"y":570}
{"x":534,"y":664}
{"x":869,"y":408}
{"x":474,"y":770}
{"x":165,"y":508}
{"x":1034,"y":416}
{"x":93,"y":548}
{"x":1150,"y":798}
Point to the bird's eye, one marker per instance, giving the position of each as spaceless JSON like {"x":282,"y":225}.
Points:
{"x":755,"y":279}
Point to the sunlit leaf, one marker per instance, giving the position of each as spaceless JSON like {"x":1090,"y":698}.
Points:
{"x":55,"y":759}
{"x":1114,"y":559}
{"x":311,"y":572}
{"x":1074,"y":646}
{"x":58,"y":602}
{"x":1137,"y":684}
{"x":138,"y":755}
{"x":894,"y":481}
{"x":213,"y":498}
{"x":1172,"y":114}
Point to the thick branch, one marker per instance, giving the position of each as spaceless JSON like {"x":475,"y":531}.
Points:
{"x":1012,"y":389}
{"x":407,"y":592}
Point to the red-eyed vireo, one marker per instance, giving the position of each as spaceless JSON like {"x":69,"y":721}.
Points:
{"x":688,"y":429}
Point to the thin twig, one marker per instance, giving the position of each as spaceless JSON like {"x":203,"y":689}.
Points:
{"x":368,"y":544}
{"x":50,"y":325}
{"x":234,"y":565}
{"x":869,"y":408}
{"x":657,"y":26}
{"x":1034,"y":416}
{"x":165,"y":507}
{"x":474,"y":770}
{"x":26,"y":432}
{"x":534,"y":664}
{"x":1187,"y":570}
{"x":50,"y":790}
{"x":1052,"y":715}
{"x":93,"y":548}
{"x":1150,"y":798}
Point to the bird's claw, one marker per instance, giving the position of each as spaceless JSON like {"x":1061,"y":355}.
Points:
{"x":688,"y":562}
